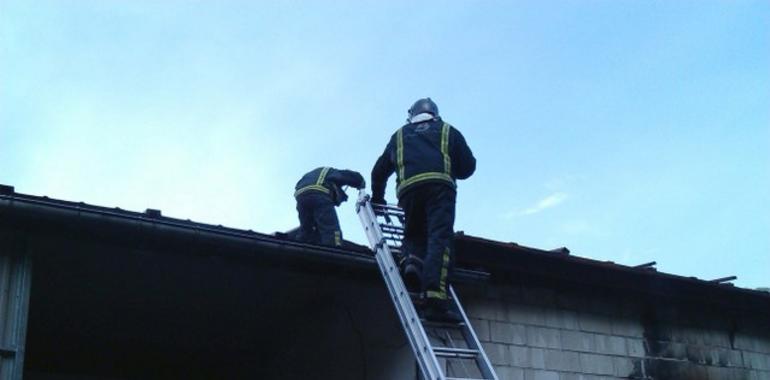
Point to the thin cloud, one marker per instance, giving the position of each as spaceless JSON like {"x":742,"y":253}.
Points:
{"x":552,"y":200}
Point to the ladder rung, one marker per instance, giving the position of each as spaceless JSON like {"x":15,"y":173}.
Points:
{"x":443,"y":325}
{"x":393,"y":208}
{"x":447,"y":352}
{"x":389,"y":214}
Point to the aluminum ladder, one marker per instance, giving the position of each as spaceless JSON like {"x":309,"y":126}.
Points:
{"x":443,"y":351}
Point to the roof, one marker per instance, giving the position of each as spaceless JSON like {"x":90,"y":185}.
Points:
{"x":478,"y":259}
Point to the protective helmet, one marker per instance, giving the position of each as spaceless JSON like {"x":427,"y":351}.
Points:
{"x":424,"y":105}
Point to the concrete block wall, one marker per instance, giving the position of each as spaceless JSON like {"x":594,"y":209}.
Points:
{"x":534,"y":333}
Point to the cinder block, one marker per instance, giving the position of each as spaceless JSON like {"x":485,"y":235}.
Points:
{"x":553,"y":318}
{"x":608,"y":344}
{"x":756,"y":360}
{"x":745,"y":342}
{"x":508,"y":333}
{"x":763,"y":345}
{"x":504,"y":314}
{"x":721,"y":357}
{"x":712,"y":356}
{"x":510,"y":373}
{"x":583,"y":376}
{"x":688,"y":335}
{"x":673,"y":350}
{"x":596,"y":364}
{"x":594,"y":323}
{"x":623,"y":367}
{"x":501,"y":332}
{"x":526,"y":314}
{"x":481,"y":327}
{"x":577,"y":341}
{"x":720,"y":373}
{"x":519,"y":334}
{"x":617,"y":345}
{"x":741,"y":374}
{"x":497,"y":353}
{"x":567,"y":361}
{"x":569,"y":320}
{"x":579,"y":376}
{"x":543,"y":337}
{"x":716,"y":338}
{"x":735,"y":358}
{"x":537,"y":357}
{"x":534,"y":374}
{"x":635,"y":348}
{"x":482,"y":308}
{"x":759,"y":375}
{"x":520,"y":357}
{"x":696,"y":354}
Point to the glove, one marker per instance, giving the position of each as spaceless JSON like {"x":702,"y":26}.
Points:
{"x":360,"y":181}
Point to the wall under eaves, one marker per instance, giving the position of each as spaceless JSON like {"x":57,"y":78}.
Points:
{"x":550,"y":332}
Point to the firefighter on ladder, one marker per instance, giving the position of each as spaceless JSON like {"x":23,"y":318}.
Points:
{"x":428,"y":155}
{"x":317,"y":193}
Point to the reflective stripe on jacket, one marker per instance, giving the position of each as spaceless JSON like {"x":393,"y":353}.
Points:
{"x":422,"y":162}
{"x":316,"y":178}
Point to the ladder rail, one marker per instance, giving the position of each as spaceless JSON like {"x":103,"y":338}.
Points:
{"x":379,"y":236}
{"x":418,"y":339}
{"x":484,"y":364}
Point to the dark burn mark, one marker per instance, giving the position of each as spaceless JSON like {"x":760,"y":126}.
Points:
{"x":667,"y":359}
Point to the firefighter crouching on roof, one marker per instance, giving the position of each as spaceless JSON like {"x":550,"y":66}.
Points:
{"x":428,"y":156}
{"x":317,"y":193}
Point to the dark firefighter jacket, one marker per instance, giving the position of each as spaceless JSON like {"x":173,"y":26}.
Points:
{"x":329,"y":181}
{"x":430,"y":151}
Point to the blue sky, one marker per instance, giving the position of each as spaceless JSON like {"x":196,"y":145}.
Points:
{"x":625,"y":130}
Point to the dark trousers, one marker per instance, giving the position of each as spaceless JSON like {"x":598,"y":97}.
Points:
{"x":318,"y":220}
{"x":428,"y":233}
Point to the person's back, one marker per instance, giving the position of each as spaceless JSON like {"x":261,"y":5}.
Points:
{"x":317,"y":193}
{"x":428,"y":155}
